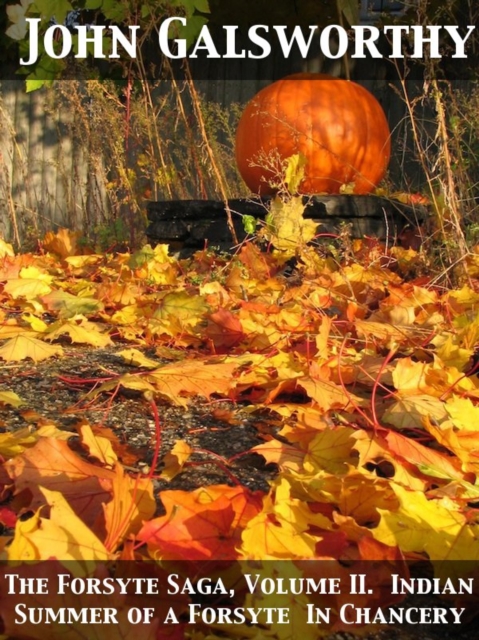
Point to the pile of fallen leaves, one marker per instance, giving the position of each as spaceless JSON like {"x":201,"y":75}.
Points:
{"x":362,"y":374}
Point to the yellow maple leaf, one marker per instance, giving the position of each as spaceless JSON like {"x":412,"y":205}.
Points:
{"x":260,"y":333}
{"x":418,"y":378}
{"x":154,"y":264}
{"x":296,"y":605}
{"x":409,"y":412}
{"x":81,"y":331}
{"x":462,"y":299}
{"x":36,"y":273}
{"x":280,"y":530}
{"x":26,"y":346}
{"x":286,"y":226}
{"x":360,"y":495}
{"x":193,"y":378}
{"x":256,"y":368}
{"x":175,"y":459}
{"x":464,"y":414}
{"x":374,"y":450}
{"x":136,"y":358}
{"x":284,"y":455}
{"x":6,"y":249}
{"x":36,"y":323}
{"x":434,"y":527}
{"x":294,"y":171}
{"x":98,"y":447}
{"x":129,"y":315}
{"x":127,"y":381}
{"x":79,"y":262}
{"x":462,"y":443}
{"x":118,"y":293}
{"x":11,"y":328}
{"x":11,"y":444}
{"x":327,"y":394}
{"x":451,"y":353}
{"x":15,"y":442}
{"x":185,"y":309}
{"x":63,"y":536}
{"x":291,"y":507}
{"x":11,"y":398}
{"x":28,"y":288}
{"x":178,"y":381}
{"x":330,"y":450}
{"x":264,"y":537}
{"x":390,"y":334}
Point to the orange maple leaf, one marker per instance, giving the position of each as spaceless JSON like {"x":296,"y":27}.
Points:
{"x":52,"y":464}
{"x":224,"y":329}
{"x":201,"y":525}
{"x":63,"y":243}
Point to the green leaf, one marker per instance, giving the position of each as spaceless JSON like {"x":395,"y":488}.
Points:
{"x":190,"y":6}
{"x":57,"y":9}
{"x":191,"y":29}
{"x":114,"y":10}
{"x":249,"y":224}
{"x":202,"y":6}
{"x":111,"y":9}
{"x":34,"y":84}
{"x":90,"y":46}
{"x":141,"y":257}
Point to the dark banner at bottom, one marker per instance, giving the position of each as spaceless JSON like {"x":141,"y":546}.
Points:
{"x":248,"y":599}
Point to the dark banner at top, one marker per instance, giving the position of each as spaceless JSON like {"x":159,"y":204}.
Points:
{"x":82,"y":42}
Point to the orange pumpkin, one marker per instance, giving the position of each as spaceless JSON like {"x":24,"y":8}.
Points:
{"x":336,"y":124}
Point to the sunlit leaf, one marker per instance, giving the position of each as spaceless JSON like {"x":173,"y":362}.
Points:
{"x":175,"y":459}
{"x":11,"y":398}
{"x":81,"y":331}
{"x":63,"y":535}
{"x":98,"y":447}
{"x":26,"y":346}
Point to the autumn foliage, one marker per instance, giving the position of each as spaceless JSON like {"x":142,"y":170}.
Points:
{"x":362,"y":371}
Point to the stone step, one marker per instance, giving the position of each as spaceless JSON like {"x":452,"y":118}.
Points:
{"x":190,"y":224}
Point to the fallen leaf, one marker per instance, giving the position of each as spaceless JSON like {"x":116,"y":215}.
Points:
{"x":136,"y":358}
{"x":50,"y":463}
{"x":63,"y":242}
{"x":11,"y":398}
{"x":434,"y":527}
{"x":28,"y":288}
{"x":67,"y":305}
{"x":98,"y":447}
{"x":26,"y":346}
{"x":200,"y":525}
{"x":132,"y":504}
{"x":224,"y":329}
{"x":175,"y":459}
{"x":62,"y":536}
{"x":80,"y":331}
{"x":409,"y":412}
